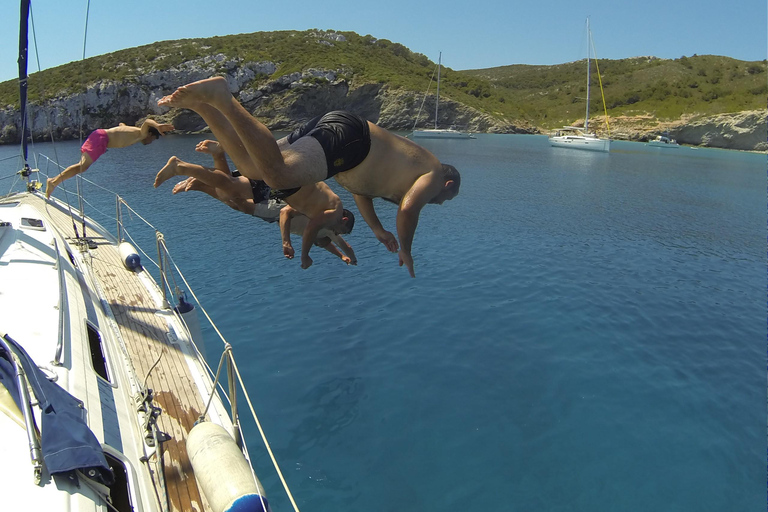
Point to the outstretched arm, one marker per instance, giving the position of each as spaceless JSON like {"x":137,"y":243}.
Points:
{"x":335,"y":251}
{"x":344,"y":246}
{"x":365,"y":205}
{"x":151,"y":123}
{"x":286,"y":214}
{"x":424,"y":189}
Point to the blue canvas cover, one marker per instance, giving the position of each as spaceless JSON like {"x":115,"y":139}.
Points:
{"x":66,"y":441}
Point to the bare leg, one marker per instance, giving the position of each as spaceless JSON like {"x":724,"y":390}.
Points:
{"x":238,"y":203}
{"x":227,"y":136}
{"x":216,"y":150}
{"x":192,"y":184}
{"x":210,"y":177}
{"x":303,"y":169}
{"x":69,"y":172}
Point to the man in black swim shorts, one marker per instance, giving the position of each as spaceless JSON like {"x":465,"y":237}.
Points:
{"x":345,"y":138}
{"x":254,"y":197}
{"x":369,"y":164}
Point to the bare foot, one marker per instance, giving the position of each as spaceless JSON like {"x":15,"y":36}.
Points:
{"x":167,"y":172}
{"x":49,"y":186}
{"x":182,"y":186}
{"x":213,"y":91}
{"x":195,"y":184}
{"x":211,"y":147}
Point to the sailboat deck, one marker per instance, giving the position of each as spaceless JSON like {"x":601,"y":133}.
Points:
{"x":145,"y":334}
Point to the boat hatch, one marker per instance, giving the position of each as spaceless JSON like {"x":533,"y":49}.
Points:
{"x":119,"y":493}
{"x":28,"y":223}
{"x":98,"y":357}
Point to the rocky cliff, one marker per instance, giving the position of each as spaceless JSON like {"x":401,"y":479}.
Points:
{"x":281,"y":104}
{"x":746,"y":131}
{"x":742,"y":130}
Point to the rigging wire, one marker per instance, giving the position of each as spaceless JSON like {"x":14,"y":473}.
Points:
{"x":415,"y":122}
{"x":240,"y":380}
{"x":82,"y":108}
{"x":48,"y":122}
{"x":602,"y":93}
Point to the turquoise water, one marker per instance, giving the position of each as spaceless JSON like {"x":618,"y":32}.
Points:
{"x":586,"y":332}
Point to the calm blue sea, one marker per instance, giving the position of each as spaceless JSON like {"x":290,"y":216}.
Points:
{"x":586,"y":332}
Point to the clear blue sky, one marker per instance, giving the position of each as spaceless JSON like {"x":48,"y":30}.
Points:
{"x":471,"y":34}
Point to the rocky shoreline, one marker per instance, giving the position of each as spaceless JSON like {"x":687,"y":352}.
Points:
{"x":744,"y":131}
{"x":290,"y":100}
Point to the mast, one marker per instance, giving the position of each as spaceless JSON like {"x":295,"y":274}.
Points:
{"x":437,"y":101}
{"x":23,"y":32}
{"x":586,"y":116}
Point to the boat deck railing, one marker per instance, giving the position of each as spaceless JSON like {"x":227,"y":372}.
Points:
{"x":171,"y":281}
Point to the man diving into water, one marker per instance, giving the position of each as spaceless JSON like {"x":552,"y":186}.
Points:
{"x":365,"y":159}
{"x":256,"y":198}
{"x":100,"y":140}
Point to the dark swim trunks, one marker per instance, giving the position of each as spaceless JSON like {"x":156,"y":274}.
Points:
{"x":263,"y":192}
{"x":345,"y":138}
{"x":283,"y":194}
{"x":266,"y":205}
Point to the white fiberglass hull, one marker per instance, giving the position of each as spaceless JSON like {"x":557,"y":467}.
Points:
{"x":64,"y":305}
{"x":577,"y":142}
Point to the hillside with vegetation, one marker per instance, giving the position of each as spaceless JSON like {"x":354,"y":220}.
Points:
{"x":640,"y":87}
{"x":642,"y":91}
{"x":361,"y":59}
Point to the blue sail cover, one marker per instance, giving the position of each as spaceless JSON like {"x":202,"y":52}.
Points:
{"x":66,"y":441}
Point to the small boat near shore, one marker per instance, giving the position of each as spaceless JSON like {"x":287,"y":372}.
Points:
{"x":663,"y":141}
{"x":439,"y":133}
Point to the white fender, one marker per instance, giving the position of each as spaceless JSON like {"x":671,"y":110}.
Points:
{"x":222,"y":472}
{"x":129,"y":256}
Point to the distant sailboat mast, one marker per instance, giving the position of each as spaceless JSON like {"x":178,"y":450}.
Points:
{"x":437,"y":102}
{"x":586,"y":116}
{"x":574,"y":137}
{"x":436,"y":132}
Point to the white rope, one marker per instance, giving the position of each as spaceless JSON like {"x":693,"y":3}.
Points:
{"x":263,"y":435}
{"x":186,"y":283}
{"x":228,"y":349}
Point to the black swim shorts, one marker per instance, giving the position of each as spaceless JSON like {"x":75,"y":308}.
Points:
{"x":345,"y":138}
{"x":282,"y":194}
{"x":261,"y":190}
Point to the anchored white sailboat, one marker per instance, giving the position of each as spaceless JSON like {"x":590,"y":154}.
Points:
{"x":664,"y":141}
{"x":106,"y":403}
{"x":439,"y":133}
{"x":581,"y":138}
